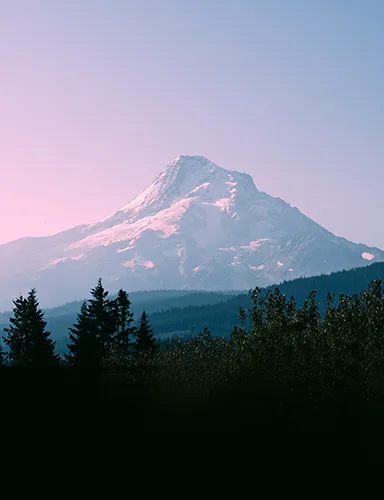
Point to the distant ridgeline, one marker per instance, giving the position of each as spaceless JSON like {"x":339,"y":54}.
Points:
{"x":221,"y":317}
{"x":185,"y":313}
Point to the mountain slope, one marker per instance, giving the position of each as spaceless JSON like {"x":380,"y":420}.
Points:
{"x":198,"y":226}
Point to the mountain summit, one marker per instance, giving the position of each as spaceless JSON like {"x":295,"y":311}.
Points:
{"x":196,"y":226}
{"x":182,"y":178}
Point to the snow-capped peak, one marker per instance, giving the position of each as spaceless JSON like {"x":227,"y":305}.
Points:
{"x":183,"y":177}
{"x":196,"y":226}
{"x":194,"y":162}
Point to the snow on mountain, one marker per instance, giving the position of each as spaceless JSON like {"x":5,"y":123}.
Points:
{"x":196,"y":226}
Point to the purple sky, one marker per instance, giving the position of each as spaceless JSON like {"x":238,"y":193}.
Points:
{"x":97,"y":96}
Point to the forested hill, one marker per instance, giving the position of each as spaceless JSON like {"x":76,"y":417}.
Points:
{"x":62,"y":317}
{"x":186,"y":313}
{"x":221,"y":317}
{"x":347,"y":282}
{"x":152,"y":300}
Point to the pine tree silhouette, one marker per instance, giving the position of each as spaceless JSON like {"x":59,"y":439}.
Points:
{"x":2,"y":356}
{"x":103,"y":315}
{"x":206,"y":334}
{"x":39,"y":348}
{"x":85,"y":348}
{"x":145,"y":341}
{"x":124,"y":321}
{"x":18,"y":333}
{"x":97,"y":328}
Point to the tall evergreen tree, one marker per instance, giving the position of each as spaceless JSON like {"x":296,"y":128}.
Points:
{"x":103,"y":315}
{"x":84,"y":347}
{"x":2,"y":356}
{"x":124,"y":321}
{"x":39,"y":347}
{"x":18,"y":332}
{"x":145,"y":340}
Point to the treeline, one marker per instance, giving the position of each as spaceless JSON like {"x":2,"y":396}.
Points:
{"x":223,"y":316}
{"x":104,"y":325}
{"x":282,"y":360}
{"x":285,"y":361}
{"x":185,"y":313}
{"x":152,"y":300}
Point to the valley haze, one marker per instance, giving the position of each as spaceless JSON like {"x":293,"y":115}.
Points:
{"x":197,"y":226}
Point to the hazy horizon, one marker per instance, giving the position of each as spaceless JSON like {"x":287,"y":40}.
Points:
{"x":98,"y":96}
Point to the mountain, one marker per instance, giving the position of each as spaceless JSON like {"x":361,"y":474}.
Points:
{"x":197,"y":226}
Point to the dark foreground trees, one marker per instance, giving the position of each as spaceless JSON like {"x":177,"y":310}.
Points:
{"x":2,"y":356}
{"x":145,"y":340}
{"x":17,"y":332}
{"x":124,"y":328}
{"x":28,"y":340}
{"x":39,"y":348}
{"x":84,"y":347}
{"x":91,"y":336}
{"x":104,"y":326}
{"x":281,"y":361}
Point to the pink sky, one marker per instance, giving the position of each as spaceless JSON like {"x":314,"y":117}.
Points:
{"x":97,"y":97}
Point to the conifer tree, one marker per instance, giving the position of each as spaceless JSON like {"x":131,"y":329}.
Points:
{"x":145,"y":341}
{"x":39,"y":348}
{"x":84,"y":349}
{"x":237,"y":334}
{"x":102,"y":313}
{"x":2,"y":356}
{"x":205,"y":334}
{"x":124,"y":321}
{"x":18,"y":332}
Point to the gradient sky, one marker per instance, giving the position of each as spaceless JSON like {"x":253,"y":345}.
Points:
{"x":97,"y":96}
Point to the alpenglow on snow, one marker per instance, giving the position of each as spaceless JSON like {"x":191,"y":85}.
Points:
{"x":197,"y":226}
